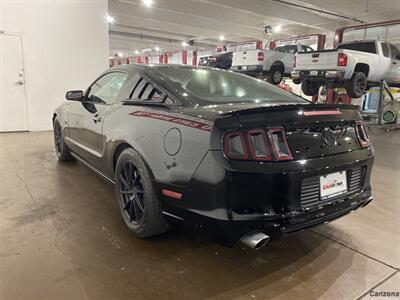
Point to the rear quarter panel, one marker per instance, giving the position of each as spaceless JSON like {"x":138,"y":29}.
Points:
{"x":171,"y":143}
{"x":355,"y":57}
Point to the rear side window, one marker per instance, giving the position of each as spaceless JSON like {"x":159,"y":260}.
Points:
{"x":395,"y":53}
{"x":385,"y":49}
{"x":368,"y":47}
{"x":306,"y":49}
{"x":144,"y":91}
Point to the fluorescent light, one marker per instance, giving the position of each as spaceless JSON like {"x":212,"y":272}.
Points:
{"x":221,"y":37}
{"x":157,"y":48}
{"x":120,"y":54}
{"x":137,"y":52}
{"x":148,"y":3}
{"x":110,"y":19}
{"x":277,"y":28}
{"x":184,"y":44}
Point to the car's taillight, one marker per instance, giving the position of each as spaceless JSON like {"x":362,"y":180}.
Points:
{"x":212,"y":58}
{"x":258,"y":144}
{"x":260,"y":56}
{"x":362,"y":134}
{"x":264,"y":144}
{"x":234,"y":146}
{"x":280,"y":145}
{"x":342,"y":60}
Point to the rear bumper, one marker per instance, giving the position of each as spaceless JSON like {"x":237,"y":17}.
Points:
{"x":319,"y":75}
{"x":251,"y":70}
{"x":228,"y":204}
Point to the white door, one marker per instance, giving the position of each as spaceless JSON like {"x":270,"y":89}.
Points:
{"x":13,"y":105}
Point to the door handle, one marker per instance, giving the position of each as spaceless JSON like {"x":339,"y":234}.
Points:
{"x":96,"y":118}
{"x":19,"y":82}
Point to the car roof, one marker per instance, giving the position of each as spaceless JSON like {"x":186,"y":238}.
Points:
{"x":150,"y":67}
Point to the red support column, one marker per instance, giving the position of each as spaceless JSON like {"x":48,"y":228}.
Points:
{"x":146,"y":59}
{"x":138,"y":59}
{"x":184,"y":57}
{"x":272,"y":45}
{"x":129,"y":60}
{"x":259,"y":44}
{"x":161,"y":59}
{"x":165,"y":58}
{"x":194,"y":58}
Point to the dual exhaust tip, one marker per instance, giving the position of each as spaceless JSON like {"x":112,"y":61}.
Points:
{"x":255,"y":240}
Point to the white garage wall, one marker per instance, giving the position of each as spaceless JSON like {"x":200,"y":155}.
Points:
{"x":65,"y":47}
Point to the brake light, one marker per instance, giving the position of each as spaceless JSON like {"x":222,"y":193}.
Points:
{"x":212,"y":58}
{"x":258,"y":144}
{"x":342,"y":60}
{"x":234,"y":146}
{"x":362,"y":134}
{"x":264,"y":144}
{"x":279,"y":144}
{"x":260,"y":56}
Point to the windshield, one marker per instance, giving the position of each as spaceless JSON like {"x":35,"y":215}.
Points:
{"x":218,"y":86}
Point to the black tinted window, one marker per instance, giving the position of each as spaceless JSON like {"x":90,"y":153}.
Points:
{"x":385,"y":49}
{"x":106,"y":89}
{"x":223,"y":87}
{"x":395,"y":53}
{"x":369,"y":47}
{"x":138,"y":89}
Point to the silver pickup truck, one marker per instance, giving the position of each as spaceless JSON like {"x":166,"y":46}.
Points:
{"x":356,"y":66}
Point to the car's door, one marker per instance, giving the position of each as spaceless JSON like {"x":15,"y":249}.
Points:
{"x":393,"y":76}
{"x":86,"y":118}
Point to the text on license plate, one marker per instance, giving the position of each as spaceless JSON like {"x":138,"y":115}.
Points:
{"x":313,"y":73}
{"x":332,"y":185}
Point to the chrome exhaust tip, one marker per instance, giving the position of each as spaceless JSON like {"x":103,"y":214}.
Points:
{"x":255,"y":240}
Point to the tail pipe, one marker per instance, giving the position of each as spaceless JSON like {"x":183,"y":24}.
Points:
{"x":255,"y":240}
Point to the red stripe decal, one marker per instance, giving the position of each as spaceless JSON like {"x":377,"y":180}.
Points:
{"x":171,"y":194}
{"x":173,"y":119}
{"x":322,"y":112}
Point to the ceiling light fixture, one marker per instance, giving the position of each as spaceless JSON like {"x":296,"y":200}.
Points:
{"x":147,"y":3}
{"x":277,"y":28}
{"x":221,"y":37}
{"x":137,"y":52}
{"x":157,"y":48}
{"x":109,"y":19}
{"x":184,"y":44}
{"x":120,"y":54}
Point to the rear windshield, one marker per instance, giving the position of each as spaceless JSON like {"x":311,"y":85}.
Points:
{"x":218,"y":86}
{"x":368,"y":47}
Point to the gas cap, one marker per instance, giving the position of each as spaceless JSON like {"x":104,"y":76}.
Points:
{"x":172,"y":141}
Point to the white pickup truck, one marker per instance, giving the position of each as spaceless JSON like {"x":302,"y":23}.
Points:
{"x":269,"y":64}
{"x":356,"y":66}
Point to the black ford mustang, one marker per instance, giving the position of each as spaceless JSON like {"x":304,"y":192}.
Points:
{"x":228,"y":153}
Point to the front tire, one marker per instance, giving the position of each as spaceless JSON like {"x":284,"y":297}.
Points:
{"x":357,"y":85}
{"x":310,"y":88}
{"x":62,"y":150}
{"x":296,"y":80}
{"x":140,"y":208}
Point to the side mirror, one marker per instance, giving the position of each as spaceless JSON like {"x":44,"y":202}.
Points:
{"x":74,"y":95}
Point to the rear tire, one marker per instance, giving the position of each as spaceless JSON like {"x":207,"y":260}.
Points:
{"x":275,"y":75}
{"x":62,"y":150}
{"x":357,"y":85}
{"x":310,"y":88}
{"x":139,"y":205}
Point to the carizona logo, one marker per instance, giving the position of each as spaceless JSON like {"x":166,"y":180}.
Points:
{"x":332,"y":184}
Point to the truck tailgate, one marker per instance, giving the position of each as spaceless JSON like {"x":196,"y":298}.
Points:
{"x":319,"y":60}
{"x":246,"y":58}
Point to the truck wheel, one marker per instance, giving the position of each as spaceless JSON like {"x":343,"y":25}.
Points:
{"x":296,"y":80}
{"x":275,"y":75}
{"x":310,"y":88}
{"x":357,"y":85}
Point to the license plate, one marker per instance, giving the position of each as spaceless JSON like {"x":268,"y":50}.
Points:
{"x":244,"y":68}
{"x":333,"y":185}
{"x":313,"y":73}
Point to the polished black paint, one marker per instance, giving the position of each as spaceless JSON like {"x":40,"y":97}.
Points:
{"x":227,"y":198}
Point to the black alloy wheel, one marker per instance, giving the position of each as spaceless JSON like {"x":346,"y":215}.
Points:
{"x":62,"y":150}
{"x":132,"y":193}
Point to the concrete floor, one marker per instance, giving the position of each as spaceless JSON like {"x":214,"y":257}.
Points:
{"x":61,"y":237}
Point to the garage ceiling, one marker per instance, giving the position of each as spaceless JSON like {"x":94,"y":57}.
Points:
{"x":166,"y":23}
